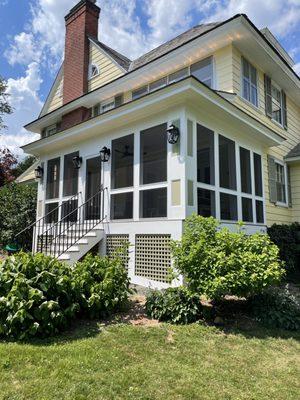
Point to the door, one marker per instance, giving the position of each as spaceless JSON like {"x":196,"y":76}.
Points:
{"x":93,"y":185}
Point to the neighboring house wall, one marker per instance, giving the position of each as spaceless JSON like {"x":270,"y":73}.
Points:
{"x":108,"y":69}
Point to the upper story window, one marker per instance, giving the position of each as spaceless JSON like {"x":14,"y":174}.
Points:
{"x":50,"y":130}
{"x":107,"y":105}
{"x":176,"y":76}
{"x":139,"y":92}
{"x":280,"y":183}
{"x":94,"y":70}
{"x":275,"y":102}
{"x":249,"y":82}
{"x":203,"y":70}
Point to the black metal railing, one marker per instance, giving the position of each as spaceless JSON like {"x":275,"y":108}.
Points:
{"x":42,"y":225}
{"x":73,"y":226}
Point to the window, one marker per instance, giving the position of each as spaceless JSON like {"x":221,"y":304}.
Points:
{"x":139,"y":92}
{"x":227,"y":163}
{"x":93,"y":71}
{"x":153,"y":203}
{"x":249,"y":82}
{"x":122,"y":206}
{"x":258,"y":175}
{"x":247,"y":211}
{"x":280,"y":183}
{"x":206,"y":203}
{"x":218,"y":192}
{"x":276,"y":104}
{"x":153,"y":156}
{"x":176,"y":76}
{"x":107,"y":105}
{"x":157,"y":84}
{"x":50,"y":130}
{"x":245,"y":170}
{"x":70,"y":186}
{"x":122,"y":162}
{"x":205,"y":155}
{"x":53,"y":172}
{"x":203,"y":71}
{"x":51,"y":213}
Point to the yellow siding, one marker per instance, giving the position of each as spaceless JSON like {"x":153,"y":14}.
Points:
{"x":223,"y":68}
{"x":108,"y":69}
{"x":292,"y":134}
{"x":57,"y":98}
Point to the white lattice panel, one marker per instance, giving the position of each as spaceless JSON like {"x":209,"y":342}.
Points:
{"x":153,"y":257}
{"x":115,"y":243}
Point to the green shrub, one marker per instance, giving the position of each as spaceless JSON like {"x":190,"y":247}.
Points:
{"x":175,"y":305}
{"x":287,"y":238}
{"x":17,"y":211}
{"x":103,"y":285}
{"x":40,"y":296}
{"x":276,"y":308}
{"x":37,"y":297}
{"x":216,"y":262}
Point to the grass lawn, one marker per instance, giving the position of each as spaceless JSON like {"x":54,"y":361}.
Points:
{"x":159,"y":362}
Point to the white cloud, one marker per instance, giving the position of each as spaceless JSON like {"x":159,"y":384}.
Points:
{"x":281,"y":17}
{"x":297,"y":68}
{"x":26,"y":104}
{"x":24,"y":50}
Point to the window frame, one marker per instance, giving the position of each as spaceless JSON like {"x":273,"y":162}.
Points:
{"x":217,"y":189}
{"x":249,"y":79}
{"x":285,"y":174}
{"x":91,"y":75}
{"x":274,"y":84}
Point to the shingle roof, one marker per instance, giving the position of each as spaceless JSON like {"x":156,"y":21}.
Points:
{"x":171,"y":45}
{"x":159,"y":51}
{"x":295,"y":152}
{"x":123,"y":61}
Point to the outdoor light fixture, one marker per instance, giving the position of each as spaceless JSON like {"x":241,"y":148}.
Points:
{"x":173,"y":134}
{"x":104,"y":154}
{"x":77,"y":161}
{"x":39,"y":172}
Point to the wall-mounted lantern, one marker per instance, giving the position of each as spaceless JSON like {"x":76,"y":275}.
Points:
{"x":173,"y":134}
{"x":39,"y":172}
{"x":77,"y":161}
{"x":104,"y":154}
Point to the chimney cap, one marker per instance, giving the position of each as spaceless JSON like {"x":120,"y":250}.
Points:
{"x":81,"y":3}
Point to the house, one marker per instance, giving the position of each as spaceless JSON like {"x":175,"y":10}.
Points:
{"x":208,"y":122}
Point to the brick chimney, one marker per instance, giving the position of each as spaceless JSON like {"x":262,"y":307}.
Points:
{"x":81,"y":22}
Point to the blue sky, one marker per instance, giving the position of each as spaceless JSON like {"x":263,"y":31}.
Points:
{"x":32,"y":40}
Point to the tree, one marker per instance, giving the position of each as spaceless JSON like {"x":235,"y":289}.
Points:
{"x":23,"y":166}
{"x":5,"y":107}
{"x":7,"y":163}
{"x":17,"y":212}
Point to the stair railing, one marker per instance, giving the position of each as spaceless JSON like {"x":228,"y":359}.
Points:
{"x":73,"y":226}
{"x":41,"y":225}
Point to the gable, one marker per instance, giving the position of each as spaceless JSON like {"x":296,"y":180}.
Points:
{"x":108,"y":67}
{"x":55,"y":97}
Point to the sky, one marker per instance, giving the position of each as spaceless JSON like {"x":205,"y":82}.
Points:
{"x":32,"y":40}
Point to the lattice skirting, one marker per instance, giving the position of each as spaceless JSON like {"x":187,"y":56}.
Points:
{"x":153,"y":257}
{"x":115,"y":243}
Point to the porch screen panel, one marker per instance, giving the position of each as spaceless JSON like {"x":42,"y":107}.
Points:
{"x":205,"y":155}
{"x":53,"y":176}
{"x":227,"y":164}
{"x":245,"y":164}
{"x":122,"y":162}
{"x":153,"y":155}
{"x":70,"y":175}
